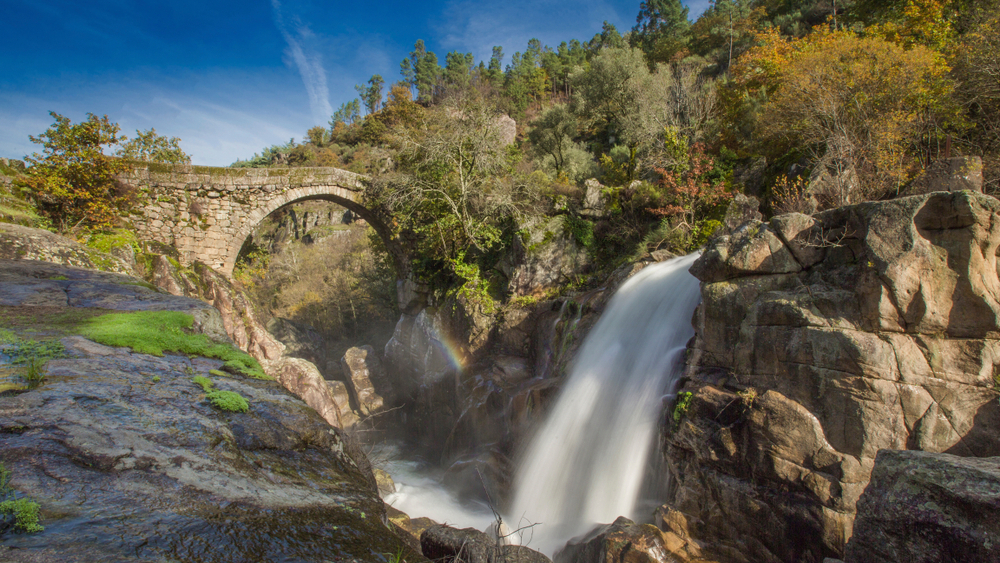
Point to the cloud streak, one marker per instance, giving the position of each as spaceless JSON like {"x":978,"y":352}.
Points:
{"x":310,"y":65}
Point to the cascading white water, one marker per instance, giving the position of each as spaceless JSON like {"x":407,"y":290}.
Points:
{"x":587,"y":462}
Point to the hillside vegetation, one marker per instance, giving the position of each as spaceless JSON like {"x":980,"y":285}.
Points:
{"x":638,"y":139}
{"x":804,"y":104}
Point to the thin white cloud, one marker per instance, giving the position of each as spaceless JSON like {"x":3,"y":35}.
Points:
{"x":309,"y":63}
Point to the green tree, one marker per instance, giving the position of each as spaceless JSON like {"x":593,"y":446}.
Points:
{"x":147,"y":146}
{"x":458,"y":69}
{"x":453,"y":192}
{"x":347,"y":113}
{"x":495,"y":70}
{"x":371,"y":95}
{"x":725,"y":30}
{"x":661,"y":29}
{"x":552,"y":134}
{"x":526,"y":80}
{"x":73,"y":182}
{"x":421,"y":71}
{"x":608,"y":94}
{"x":608,"y":38}
{"x":319,"y":136}
{"x":559,"y":64}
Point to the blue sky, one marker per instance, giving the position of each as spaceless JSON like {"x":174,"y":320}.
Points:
{"x":232,"y":77}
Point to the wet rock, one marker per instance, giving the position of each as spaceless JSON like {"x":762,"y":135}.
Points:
{"x":623,"y":540}
{"x":386,"y":486}
{"x":452,"y":545}
{"x":330,"y":398}
{"x":924,"y":507}
{"x":411,"y":528}
{"x":240,"y":322}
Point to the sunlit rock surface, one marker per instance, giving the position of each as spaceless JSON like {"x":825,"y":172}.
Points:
{"x":820,"y":341}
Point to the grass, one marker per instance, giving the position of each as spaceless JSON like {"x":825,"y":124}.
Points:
{"x":25,"y":514}
{"x":156,"y":332}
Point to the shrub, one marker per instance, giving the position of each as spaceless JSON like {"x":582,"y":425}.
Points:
{"x":73,"y":181}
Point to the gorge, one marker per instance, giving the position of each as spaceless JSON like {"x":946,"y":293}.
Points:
{"x":818,"y":342}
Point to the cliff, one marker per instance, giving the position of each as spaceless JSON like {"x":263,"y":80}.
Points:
{"x":819,"y":342}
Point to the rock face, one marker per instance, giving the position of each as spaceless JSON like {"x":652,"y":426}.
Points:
{"x":922,"y":508}
{"x":548,"y":259}
{"x":362,"y":368}
{"x":130,"y":462}
{"x":820,"y":341}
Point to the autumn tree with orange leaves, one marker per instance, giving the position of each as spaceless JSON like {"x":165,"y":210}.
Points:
{"x":689,"y":189}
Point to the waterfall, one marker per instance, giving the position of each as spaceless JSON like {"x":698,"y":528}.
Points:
{"x":586,"y":464}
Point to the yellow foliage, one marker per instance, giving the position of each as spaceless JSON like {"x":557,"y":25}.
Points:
{"x":923,"y":22}
{"x":870,"y":100}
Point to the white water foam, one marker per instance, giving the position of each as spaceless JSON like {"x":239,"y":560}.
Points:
{"x":587,"y":463}
{"x":420,"y":492}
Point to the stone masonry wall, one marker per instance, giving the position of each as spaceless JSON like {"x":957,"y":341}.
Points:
{"x":207,"y":213}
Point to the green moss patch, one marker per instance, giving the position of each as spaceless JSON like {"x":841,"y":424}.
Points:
{"x":229,"y":401}
{"x":156,"y":332}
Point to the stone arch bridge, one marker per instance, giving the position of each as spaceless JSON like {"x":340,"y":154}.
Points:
{"x":207,"y":213}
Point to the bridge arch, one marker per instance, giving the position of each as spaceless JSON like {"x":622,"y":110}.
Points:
{"x":335,"y":194}
{"x":208,"y":213}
